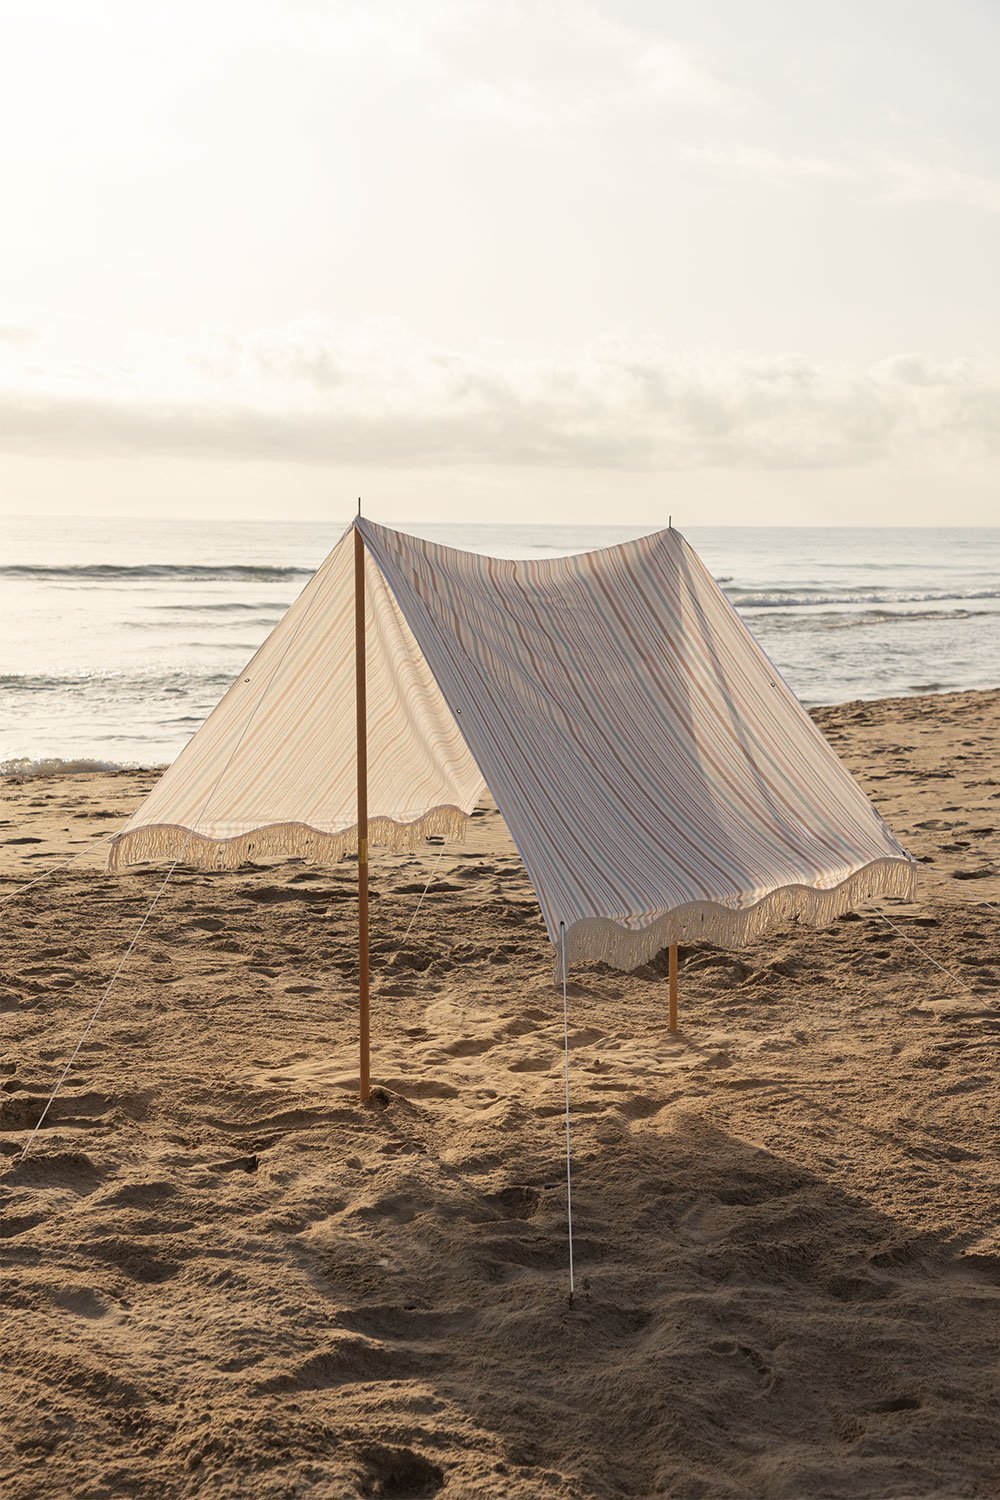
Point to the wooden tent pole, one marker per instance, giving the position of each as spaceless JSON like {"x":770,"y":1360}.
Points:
{"x":361,"y":701}
{"x":672,"y":981}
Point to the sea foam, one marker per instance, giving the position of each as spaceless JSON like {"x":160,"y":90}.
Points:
{"x":54,"y":765}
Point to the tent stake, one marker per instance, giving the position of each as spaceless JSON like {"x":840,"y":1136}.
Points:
{"x":361,"y":700}
{"x":672,"y":982}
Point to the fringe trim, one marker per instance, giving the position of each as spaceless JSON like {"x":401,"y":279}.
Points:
{"x":170,"y":841}
{"x":592,"y":940}
{"x":600,"y":940}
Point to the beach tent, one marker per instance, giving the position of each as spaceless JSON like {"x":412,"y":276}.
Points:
{"x":661,"y":782}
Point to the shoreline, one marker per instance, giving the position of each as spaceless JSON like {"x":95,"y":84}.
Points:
{"x":35,"y":767}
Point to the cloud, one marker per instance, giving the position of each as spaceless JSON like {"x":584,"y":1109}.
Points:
{"x":522,"y":64}
{"x":309,"y":394}
{"x":536,"y":63}
{"x":892,"y":178}
{"x":930,"y":182}
{"x":774,"y":164}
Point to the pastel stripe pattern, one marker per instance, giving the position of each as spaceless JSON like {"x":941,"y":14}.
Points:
{"x":660,"y":780}
{"x":272,"y":771}
{"x":658,"y":777}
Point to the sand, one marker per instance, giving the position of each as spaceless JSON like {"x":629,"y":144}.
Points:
{"x":222,"y":1277}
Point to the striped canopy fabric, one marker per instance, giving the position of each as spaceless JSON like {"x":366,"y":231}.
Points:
{"x":658,"y":777}
{"x":273,"y":769}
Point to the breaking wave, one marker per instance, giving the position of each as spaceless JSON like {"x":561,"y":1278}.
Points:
{"x":804,"y":597}
{"x":180,"y":572}
{"x":265,"y":608}
{"x":852,"y":619}
{"x":164,"y":683}
{"x":54,"y":765}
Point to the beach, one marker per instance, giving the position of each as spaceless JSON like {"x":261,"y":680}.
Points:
{"x":224,"y":1277}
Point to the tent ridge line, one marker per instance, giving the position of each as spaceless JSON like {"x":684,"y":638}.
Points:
{"x":161,"y":841}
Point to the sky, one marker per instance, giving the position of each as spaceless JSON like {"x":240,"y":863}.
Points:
{"x":501,"y":260}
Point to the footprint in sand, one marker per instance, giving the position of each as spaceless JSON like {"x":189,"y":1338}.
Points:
{"x":896,"y":1403}
{"x":82,"y":1302}
{"x":530,"y":1065}
{"x":400,"y":1471}
{"x":469,"y":1047}
{"x":519,"y":1201}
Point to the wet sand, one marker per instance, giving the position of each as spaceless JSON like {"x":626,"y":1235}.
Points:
{"x":222,"y":1277}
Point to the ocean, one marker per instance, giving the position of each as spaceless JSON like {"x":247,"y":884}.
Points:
{"x":120,"y":635}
